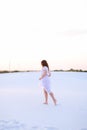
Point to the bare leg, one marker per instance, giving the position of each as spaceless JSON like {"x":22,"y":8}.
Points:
{"x":52,"y":96}
{"x":46,"y":97}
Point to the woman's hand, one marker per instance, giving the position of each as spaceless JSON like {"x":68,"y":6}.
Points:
{"x":49,"y":74}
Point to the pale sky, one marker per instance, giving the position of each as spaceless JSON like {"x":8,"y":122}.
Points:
{"x":33,"y":30}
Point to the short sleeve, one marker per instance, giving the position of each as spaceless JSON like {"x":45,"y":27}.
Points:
{"x":45,"y":68}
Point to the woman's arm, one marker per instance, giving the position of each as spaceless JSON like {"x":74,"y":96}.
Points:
{"x":43,"y":74}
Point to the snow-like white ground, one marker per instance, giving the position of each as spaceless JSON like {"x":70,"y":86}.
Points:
{"x":22,"y":108}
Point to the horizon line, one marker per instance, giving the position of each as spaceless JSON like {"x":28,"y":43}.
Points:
{"x":32,"y":70}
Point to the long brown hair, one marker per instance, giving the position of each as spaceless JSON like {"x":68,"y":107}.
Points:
{"x":44,"y":63}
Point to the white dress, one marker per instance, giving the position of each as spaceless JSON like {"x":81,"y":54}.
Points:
{"x":45,"y":82}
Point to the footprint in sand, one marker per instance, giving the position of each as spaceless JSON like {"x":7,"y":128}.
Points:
{"x":84,"y":129}
{"x":50,"y":128}
{"x":43,"y":128}
{"x":11,"y":125}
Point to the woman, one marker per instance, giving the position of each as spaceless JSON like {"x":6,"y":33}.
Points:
{"x":46,"y":82}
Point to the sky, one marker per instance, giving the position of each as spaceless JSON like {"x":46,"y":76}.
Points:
{"x":33,"y":30}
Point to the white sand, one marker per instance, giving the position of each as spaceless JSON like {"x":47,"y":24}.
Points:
{"x":22,"y":108}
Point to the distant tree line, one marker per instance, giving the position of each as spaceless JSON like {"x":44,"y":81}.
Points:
{"x":6,"y":71}
{"x":72,"y":70}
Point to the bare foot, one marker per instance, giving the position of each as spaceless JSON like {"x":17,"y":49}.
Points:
{"x":45,"y":103}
